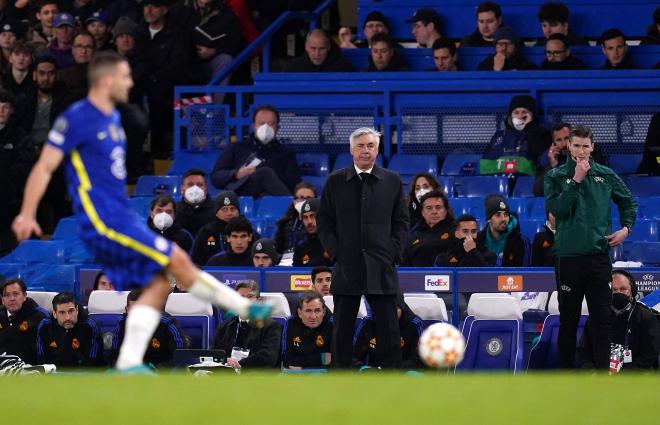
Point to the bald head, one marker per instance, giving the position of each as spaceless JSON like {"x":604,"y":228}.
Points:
{"x":317,"y":46}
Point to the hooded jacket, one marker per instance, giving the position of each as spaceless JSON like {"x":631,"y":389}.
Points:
{"x":517,"y":248}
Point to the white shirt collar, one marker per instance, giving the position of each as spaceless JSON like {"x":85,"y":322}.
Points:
{"x":358,"y":171}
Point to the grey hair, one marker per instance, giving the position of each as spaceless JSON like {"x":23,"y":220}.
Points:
{"x":249,"y":284}
{"x":363,"y":131}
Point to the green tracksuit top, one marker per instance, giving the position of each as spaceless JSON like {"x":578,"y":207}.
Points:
{"x":583,"y":211}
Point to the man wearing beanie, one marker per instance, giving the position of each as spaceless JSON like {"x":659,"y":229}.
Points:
{"x":264,"y":253}
{"x":212,"y":237}
{"x":507,"y":55}
{"x":239,"y":245}
{"x":579,"y":194}
{"x":501,"y":237}
{"x":374,"y":23}
{"x":310,"y":252}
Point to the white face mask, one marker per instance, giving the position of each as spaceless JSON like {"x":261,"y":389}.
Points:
{"x":298,"y":206}
{"x":194,"y":194}
{"x":163,"y":221}
{"x":518,"y":124}
{"x":265,"y":133}
{"x":421,"y":192}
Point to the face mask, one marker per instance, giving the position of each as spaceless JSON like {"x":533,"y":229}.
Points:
{"x":518,"y":124}
{"x":265,"y":133}
{"x":421,"y":192}
{"x":194,"y":195}
{"x":163,"y":221}
{"x":298,"y":206}
{"x":620,"y":304}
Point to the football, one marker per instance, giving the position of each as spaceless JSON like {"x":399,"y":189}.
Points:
{"x":441,"y":345}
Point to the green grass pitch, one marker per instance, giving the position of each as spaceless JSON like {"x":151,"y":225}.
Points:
{"x":383,"y":398}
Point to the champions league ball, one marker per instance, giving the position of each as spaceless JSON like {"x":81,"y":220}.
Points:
{"x":441,"y":345}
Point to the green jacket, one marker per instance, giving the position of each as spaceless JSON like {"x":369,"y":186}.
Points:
{"x":583,"y":211}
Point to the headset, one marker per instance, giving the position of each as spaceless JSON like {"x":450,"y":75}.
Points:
{"x":631,"y":279}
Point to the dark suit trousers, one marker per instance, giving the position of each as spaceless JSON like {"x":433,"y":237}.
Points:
{"x":383,"y":311}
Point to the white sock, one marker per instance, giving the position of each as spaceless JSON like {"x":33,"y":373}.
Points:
{"x":141,"y":324}
{"x":208,"y":288}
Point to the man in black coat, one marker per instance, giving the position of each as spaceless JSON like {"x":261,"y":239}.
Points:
{"x":196,"y":207}
{"x":507,"y":55}
{"x":321,"y":55}
{"x":259,"y":165}
{"x":162,"y":220}
{"x":19,"y":319}
{"x":247,"y":346}
{"x":363,"y":223}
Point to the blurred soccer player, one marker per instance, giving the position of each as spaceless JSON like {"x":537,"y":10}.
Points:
{"x":90,"y":140}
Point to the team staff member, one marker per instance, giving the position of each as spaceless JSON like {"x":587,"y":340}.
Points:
{"x":308,"y":335}
{"x":363,"y":224}
{"x":69,"y":338}
{"x":578,"y":194}
{"x":309,"y":252}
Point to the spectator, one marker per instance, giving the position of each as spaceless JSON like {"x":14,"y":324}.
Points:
{"x":19,"y":319}
{"x":125,"y":33}
{"x":635,"y":328}
{"x":375,"y":22}
{"x":162,"y":220}
{"x":213,"y":54}
{"x":653,"y":31}
{"x":195,"y":209}
{"x":345,"y":38}
{"x":445,"y":56}
{"x":557,"y":154}
{"x":309,"y":334}
{"x":650,"y":164}
{"x":17,"y":78}
{"x":168,"y":336}
{"x":239,"y":238}
{"x":42,"y":33}
{"x":216,"y":21}
{"x":211,"y":237}
{"x":543,"y":241}
{"x":420,"y":185}
{"x":507,"y":55}
{"x":259,"y":165}
{"x":558,"y":55}
{"x":309,"y":252}
{"x":322,"y":280}
{"x":615,"y":50}
{"x":366,"y":353}
{"x":250,"y":347}
{"x":166,"y":60}
{"x":98,"y":25}
{"x":516,"y":148}
{"x":321,"y":55}
{"x":264,"y":253}
{"x":460,"y":249}
{"x":426,"y":235}
{"x":384,"y":55}
{"x":426,"y":26}
{"x":8,"y":36}
{"x":16,"y":158}
{"x":489,"y":19}
{"x":554,"y":20}
{"x":74,"y":77}
{"x":102,"y":283}
{"x":81,"y":9}
{"x":70,"y":338}
{"x":506,"y":246}
{"x":64,"y":28}
{"x":290,"y":229}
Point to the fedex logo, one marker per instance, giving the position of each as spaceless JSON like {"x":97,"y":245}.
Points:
{"x":436,"y":282}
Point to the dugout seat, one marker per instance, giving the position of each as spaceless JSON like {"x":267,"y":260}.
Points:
{"x":363,"y":311}
{"x":107,"y":308}
{"x":544,"y":354}
{"x":430,"y":310}
{"x":480,"y":186}
{"x":280,"y":303}
{"x":194,"y":317}
{"x":43,"y":298}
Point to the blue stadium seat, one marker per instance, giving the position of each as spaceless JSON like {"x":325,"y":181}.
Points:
{"x":106,"y":321}
{"x":471,"y":206}
{"x":317,"y":181}
{"x":36,"y":251}
{"x":644,"y":230}
{"x":649,"y":207}
{"x":624,"y":163}
{"x":472,"y":186}
{"x":11,"y":270}
{"x":148,"y":185}
{"x":345,"y":159}
{"x":521,"y":206}
{"x":52,"y":277}
{"x":644,"y":185}
{"x":185,"y":160}
{"x":140,"y":204}
{"x":446,"y":184}
{"x":648,"y":253}
{"x":493,"y":345}
{"x":313,"y":164}
{"x":409,"y":165}
{"x":531,"y":227}
{"x":461,"y":165}
{"x":544,"y":354}
{"x":537,"y":210}
{"x":197,"y":329}
{"x":247,"y":206}
{"x":272,"y":206}
{"x":67,"y":228}
{"x":524,"y":187}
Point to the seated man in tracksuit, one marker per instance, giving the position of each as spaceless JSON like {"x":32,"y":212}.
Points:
{"x":168,"y":336}
{"x":460,"y":248}
{"x":309,"y":334}
{"x":506,"y":245}
{"x":542,"y":245}
{"x":70,"y":338}
{"x":365,"y":349}
{"x":309,"y":252}
{"x":239,"y":238}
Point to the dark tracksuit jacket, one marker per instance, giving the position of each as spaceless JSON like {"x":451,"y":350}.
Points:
{"x":310,"y":253}
{"x":452,"y":254}
{"x":542,"y":248}
{"x":18,"y":333}
{"x":75,"y":347}
{"x":303,"y":346}
{"x":423,"y":242}
{"x":230,"y":259}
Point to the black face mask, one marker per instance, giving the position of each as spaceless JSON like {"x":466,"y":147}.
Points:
{"x":621,"y":303}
